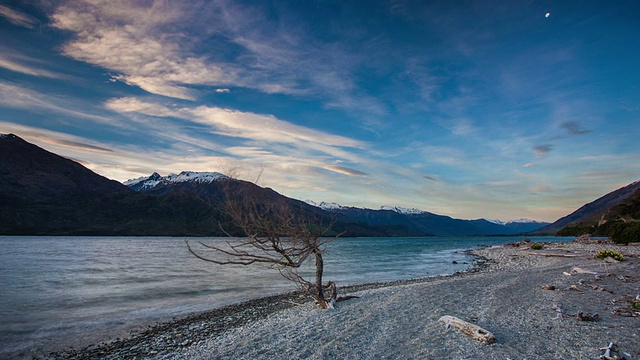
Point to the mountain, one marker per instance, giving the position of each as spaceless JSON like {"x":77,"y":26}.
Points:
{"x":156,"y":181}
{"x":210,"y":187}
{"x":589,"y":215}
{"x":617,"y":217}
{"x":42,"y":193}
{"x":415,"y":222}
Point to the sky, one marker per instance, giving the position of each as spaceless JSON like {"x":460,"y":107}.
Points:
{"x":471,"y":109}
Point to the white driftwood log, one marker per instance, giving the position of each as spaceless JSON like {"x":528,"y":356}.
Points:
{"x":556,"y":255}
{"x":473,"y":331}
{"x":577,"y":270}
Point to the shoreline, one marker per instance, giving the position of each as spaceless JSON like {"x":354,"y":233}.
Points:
{"x":227,"y":332}
{"x":165,"y":336}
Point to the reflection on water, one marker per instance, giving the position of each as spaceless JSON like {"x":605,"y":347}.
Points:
{"x":57,"y":290}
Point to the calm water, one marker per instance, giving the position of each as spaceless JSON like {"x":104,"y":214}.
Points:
{"x":58,"y":291}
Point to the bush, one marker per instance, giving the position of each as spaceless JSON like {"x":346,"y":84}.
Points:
{"x":604,"y":253}
{"x":536,"y":246}
{"x":576,"y":230}
{"x":624,"y":232}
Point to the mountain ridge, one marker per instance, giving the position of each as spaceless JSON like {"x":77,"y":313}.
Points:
{"x":44,"y":193}
{"x":331,"y":206}
{"x":591,"y":210}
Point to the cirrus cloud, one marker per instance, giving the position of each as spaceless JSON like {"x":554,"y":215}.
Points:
{"x":18,"y":18}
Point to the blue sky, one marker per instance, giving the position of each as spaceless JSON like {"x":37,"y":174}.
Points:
{"x":468,"y":109}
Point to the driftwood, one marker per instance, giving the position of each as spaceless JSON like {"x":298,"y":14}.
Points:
{"x":575,"y":288}
{"x":556,"y":255}
{"x":609,"y":350}
{"x":560,"y":311}
{"x":587,"y":316}
{"x":577,"y":270}
{"x":473,"y":331}
{"x":345,"y":298}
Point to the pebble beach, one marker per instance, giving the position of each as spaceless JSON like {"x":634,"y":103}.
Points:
{"x":558,"y":302}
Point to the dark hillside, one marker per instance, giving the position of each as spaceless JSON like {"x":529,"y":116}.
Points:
{"x":591,"y":212}
{"x":42,"y":193}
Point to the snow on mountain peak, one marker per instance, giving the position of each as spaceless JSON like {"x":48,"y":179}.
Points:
{"x":325,"y":205}
{"x":311,"y":202}
{"x":401,"y":210}
{"x":330,"y":206}
{"x":155,"y":179}
{"x":493,"y":221}
{"x":515,"y":221}
{"x":521,"y":221}
{"x":194,"y":176}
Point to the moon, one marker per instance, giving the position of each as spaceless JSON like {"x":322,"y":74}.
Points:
{"x":547,"y":15}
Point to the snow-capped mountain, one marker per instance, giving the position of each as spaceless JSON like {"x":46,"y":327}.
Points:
{"x":523,"y":221}
{"x":145,"y":183}
{"x":515,"y":221}
{"x":494,"y":221}
{"x":329,"y":206}
{"x":412,"y":222}
{"x":326,"y":205}
{"x":404,"y":211}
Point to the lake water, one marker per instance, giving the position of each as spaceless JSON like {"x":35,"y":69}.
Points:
{"x":62,"y":291}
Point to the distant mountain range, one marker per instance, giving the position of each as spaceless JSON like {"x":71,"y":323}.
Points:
{"x":420,"y":222}
{"x":42,"y":193}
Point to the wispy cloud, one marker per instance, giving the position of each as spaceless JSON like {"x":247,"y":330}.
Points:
{"x":159,"y":49}
{"x":135,"y":105}
{"x":79,"y":145}
{"x":542,"y":150}
{"x":264,"y":127}
{"x":431,"y":178}
{"x":15,"y":96}
{"x":129,"y":40}
{"x":233,"y":123}
{"x":18,"y":18}
{"x":24,"y":65}
{"x":345,"y":170}
{"x":574,"y":128}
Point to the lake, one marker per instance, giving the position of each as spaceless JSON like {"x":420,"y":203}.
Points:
{"x":74,"y":291}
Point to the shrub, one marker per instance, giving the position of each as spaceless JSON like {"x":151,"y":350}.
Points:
{"x":536,"y":246}
{"x":605,"y":253}
{"x":625,"y":232}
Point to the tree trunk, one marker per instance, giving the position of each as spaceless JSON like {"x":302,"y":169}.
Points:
{"x":319,"y":270}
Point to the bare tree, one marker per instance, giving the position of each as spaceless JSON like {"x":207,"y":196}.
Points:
{"x":277,"y":235}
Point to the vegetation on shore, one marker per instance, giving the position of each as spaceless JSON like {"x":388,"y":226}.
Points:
{"x":621,"y":223}
{"x":606,"y":253}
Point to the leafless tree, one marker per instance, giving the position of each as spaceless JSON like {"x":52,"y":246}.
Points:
{"x":277,"y":234}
